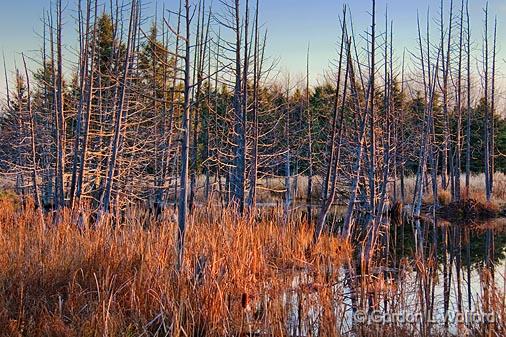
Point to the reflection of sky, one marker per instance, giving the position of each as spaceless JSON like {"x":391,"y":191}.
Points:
{"x":292,"y":24}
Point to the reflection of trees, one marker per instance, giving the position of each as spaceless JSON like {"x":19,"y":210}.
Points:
{"x":475,"y":234}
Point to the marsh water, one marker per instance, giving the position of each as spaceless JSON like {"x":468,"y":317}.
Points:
{"x":457,"y":285}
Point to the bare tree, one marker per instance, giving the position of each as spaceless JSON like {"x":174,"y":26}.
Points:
{"x":120,"y":116}
{"x":183,"y":193}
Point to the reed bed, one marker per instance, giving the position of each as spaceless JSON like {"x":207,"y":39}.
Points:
{"x":242,"y":276}
{"x":67,"y":281}
{"x":271,"y":190}
{"x":476,"y":190}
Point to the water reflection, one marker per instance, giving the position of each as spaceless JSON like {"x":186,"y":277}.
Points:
{"x":474,"y":242}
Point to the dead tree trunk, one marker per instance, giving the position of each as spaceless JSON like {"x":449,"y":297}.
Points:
{"x":183,"y":192}
{"x":33,"y":149}
{"x":254,"y":154}
{"x":335,"y":145}
{"x":492,"y":110}
{"x":121,"y":110}
{"x":468,"y":91}
{"x":458,"y":145}
{"x":309,"y":199}
{"x":90,"y":78}
{"x":239,"y":116}
{"x":60,"y":117}
{"x":486,"y":131}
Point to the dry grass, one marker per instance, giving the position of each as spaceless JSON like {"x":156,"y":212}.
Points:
{"x":242,"y":276}
{"x":272,"y":190}
{"x":123,"y":282}
{"x":476,"y":190}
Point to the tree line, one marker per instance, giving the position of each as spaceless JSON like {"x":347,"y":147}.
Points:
{"x":184,"y":107}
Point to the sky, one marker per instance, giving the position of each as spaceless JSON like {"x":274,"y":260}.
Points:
{"x":291,"y":25}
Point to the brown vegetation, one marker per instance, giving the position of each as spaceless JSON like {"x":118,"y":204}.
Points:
{"x":104,"y":282}
{"x":241,"y":276}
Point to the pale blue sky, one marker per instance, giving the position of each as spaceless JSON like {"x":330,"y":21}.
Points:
{"x":291,"y":24}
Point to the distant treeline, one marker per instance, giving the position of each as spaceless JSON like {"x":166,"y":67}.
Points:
{"x":153,"y":105}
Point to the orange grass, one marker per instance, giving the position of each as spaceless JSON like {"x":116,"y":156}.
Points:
{"x":242,"y":276}
{"x":103,"y":282}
